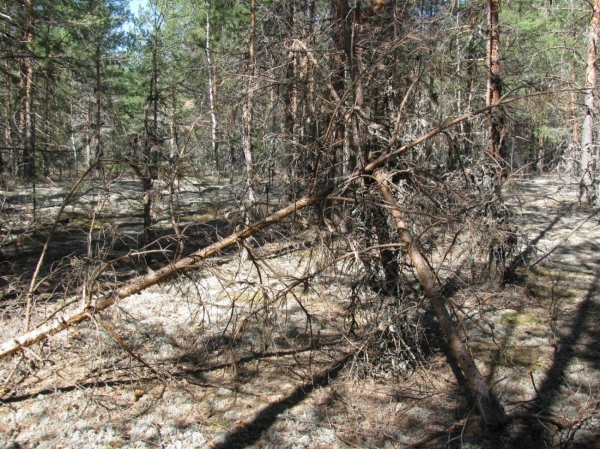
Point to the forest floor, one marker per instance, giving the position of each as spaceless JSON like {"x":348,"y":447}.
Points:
{"x":232,"y":357}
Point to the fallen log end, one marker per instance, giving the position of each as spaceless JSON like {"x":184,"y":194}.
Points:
{"x":492,"y":411}
{"x":104,"y":302}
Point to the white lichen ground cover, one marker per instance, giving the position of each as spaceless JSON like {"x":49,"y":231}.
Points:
{"x":234,"y":359}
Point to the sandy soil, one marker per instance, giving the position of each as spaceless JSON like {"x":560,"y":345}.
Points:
{"x":233,"y":356}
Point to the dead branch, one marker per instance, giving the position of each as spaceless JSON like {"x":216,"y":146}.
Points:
{"x":140,"y":283}
{"x":33,"y":282}
{"x":390,"y":152}
{"x":450,"y":430}
{"x":489,"y":405}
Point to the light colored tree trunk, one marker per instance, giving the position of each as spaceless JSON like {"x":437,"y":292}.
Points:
{"x":173,"y":124}
{"x":29,"y":105}
{"x":6,"y":120}
{"x":293,"y":168}
{"x":356,"y":147}
{"x":211,"y":97}
{"x":98,"y":89}
{"x":88,"y":133}
{"x":248,"y":109}
{"x":574,"y":102}
{"x":588,"y":166}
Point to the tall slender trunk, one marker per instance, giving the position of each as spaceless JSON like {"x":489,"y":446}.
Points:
{"x":351,"y":34}
{"x":211,"y":98}
{"x":338,"y":81}
{"x":466,"y":127}
{"x":291,"y":102}
{"x":88,"y":133}
{"x":148,"y":172}
{"x":7,"y":134}
{"x":46,"y":126}
{"x":494,"y":82}
{"x":588,"y":165}
{"x":574,"y":102}
{"x":72,"y":132}
{"x":346,"y":42}
{"x":248,"y":110}
{"x":6,"y":121}
{"x":29,"y":105}
{"x":173,"y":124}
{"x":98,"y":92}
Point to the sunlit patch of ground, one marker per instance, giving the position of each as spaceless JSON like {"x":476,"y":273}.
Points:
{"x":246,"y":360}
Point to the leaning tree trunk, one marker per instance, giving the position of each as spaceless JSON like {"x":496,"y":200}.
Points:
{"x":136,"y":285}
{"x":588,"y":179}
{"x":489,"y":405}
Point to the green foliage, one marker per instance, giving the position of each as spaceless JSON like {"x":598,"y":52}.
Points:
{"x":93,"y":54}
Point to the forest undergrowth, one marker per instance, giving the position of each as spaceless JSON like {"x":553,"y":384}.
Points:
{"x":285,"y":343}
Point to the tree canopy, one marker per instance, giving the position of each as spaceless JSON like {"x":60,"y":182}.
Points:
{"x":387,"y":128}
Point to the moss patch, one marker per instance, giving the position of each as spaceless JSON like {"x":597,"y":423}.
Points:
{"x":522,"y":356}
{"x":516,"y":318}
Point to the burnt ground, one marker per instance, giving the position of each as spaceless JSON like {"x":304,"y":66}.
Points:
{"x":241,"y":354}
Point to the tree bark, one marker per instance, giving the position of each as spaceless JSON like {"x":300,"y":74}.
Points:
{"x":291,"y":102}
{"x":211,"y":96}
{"x":147,"y":168}
{"x":489,"y":405}
{"x":574,"y":112}
{"x":98,"y":92}
{"x":340,"y":11}
{"x":494,"y":83}
{"x":29,"y":105}
{"x":588,"y":166}
{"x":248,"y":109}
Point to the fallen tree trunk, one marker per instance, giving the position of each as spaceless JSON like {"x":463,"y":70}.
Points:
{"x":138,"y":284}
{"x":489,"y":405}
